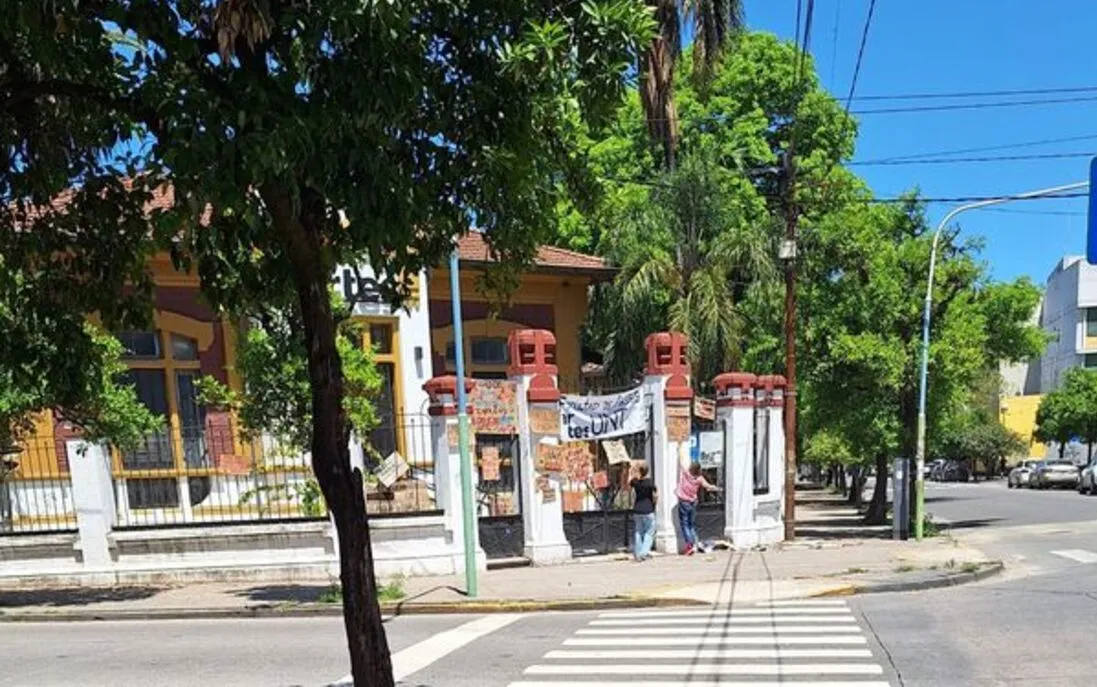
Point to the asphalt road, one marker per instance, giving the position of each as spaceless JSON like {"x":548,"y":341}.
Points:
{"x":1033,"y":625}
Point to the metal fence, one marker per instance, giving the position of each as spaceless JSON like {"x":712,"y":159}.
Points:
{"x":205,"y":476}
{"x":35,"y":489}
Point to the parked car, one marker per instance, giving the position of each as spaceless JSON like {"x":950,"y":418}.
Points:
{"x":933,"y":468}
{"x":953,"y":471}
{"x":1055,"y":473}
{"x":1020,"y":474}
{"x":1087,"y":481}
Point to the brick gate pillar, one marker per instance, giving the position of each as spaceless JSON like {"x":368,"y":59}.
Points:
{"x":735,"y":406}
{"x":666,"y":382}
{"x":533,"y":369}
{"x":447,"y":466}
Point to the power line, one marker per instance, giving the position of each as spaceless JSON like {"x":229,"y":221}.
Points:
{"x":985,"y":149}
{"x":978,"y":94}
{"x":1058,"y":213}
{"x":860,"y":54}
{"x":974,"y":106}
{"x":989,"y":158}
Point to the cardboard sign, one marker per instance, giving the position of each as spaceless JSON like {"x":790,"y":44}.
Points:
{"x":577,"y":460}
{"x":544,"y":421}
{"x":489,"y":464}
{"x":678,"y":428}
{"x":600,"y":480}
{"x":493,"y":407}
{"x":549,"y":458}
{"x":573,"y":501}
{"x":704,"y":408}
{"x":548,"y":491}
{"x":634,"y":469}
{"x":616,"y":452}
{"x":602,"y":417}
{"x":677,"y":411}
{"x":391,"y":469}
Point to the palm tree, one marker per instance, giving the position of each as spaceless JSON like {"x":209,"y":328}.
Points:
{"x":715,"y":22}
{"x":695,"y":258}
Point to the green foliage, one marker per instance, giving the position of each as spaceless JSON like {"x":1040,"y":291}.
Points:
{"x":981,"y":440}
{"x":273,"y":365}
{"x":93,"y":397}
{"x":306,"y":494}
{"x":1070,"y":411}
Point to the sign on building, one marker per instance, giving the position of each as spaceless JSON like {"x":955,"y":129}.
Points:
{"x":585,"y":418}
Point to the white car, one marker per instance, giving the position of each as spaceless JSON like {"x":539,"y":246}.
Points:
{"x":1087,"y":482}
{"x":1020,"y":475}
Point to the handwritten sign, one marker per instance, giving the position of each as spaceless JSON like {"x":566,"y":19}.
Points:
{"x":549,"y":458}
{"x":544,"y":420}
{"x":602,"y":417}
{"x":678,"y":428}
{"x":615,"y":451}
{"x":489,"y":464}
{"x":391,"y":469}
{"x":494,"y":407}
{"x":577,"y":460}
{"x":573,"y":501}
{"x":677,"y":411}
{"x":704,"y":408}
{"x":600,"y":480}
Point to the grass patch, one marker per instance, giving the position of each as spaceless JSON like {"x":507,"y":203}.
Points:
{"x":905,"y":568}
{"x":393,"y":590}
{"x":855,"y":571}
{"x":930,"y":528}
{"x":969,"y":567}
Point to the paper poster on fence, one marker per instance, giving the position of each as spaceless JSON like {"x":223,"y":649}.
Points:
{"x":391,"y":469}
{"x":489,"y":464}
{"x":602,"y":417}
{"x":615,"y":451}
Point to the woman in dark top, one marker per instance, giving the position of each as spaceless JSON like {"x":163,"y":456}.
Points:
{"x":643,"y":514}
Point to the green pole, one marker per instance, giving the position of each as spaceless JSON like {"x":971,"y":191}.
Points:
{"x":468,"y":511}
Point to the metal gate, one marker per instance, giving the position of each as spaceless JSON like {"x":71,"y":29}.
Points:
{"x":499,"y":495}
{"x":710,"y":505}
{"x":598,"y":515}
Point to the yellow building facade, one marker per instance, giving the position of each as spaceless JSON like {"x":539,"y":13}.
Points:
{"x":1018,"y":414}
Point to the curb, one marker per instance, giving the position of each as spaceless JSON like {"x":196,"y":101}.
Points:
{"x":951,"y":580}
{"x":319,"y":610}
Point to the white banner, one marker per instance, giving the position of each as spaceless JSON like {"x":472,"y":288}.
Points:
{"x":585,"y":418}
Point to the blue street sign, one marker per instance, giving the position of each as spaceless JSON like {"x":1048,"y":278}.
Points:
{"x":1091,"y":219}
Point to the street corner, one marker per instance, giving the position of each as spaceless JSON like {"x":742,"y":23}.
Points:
{"x":912,"y":579}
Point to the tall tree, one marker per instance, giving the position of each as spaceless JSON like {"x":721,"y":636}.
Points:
{"x":715,"y":23}
{"x":299,"y":136}
{"x":862,"y":304}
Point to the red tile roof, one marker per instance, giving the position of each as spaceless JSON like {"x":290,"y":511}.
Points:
{"x":473,"y":248}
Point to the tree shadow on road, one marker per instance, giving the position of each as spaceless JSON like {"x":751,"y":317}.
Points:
{"x":73,"y":596}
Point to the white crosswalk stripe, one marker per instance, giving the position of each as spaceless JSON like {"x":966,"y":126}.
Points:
{"x":815,"y":643}
{"x":1080,"y":555}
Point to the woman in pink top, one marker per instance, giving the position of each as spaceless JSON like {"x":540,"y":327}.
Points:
{"x":690,"y":483}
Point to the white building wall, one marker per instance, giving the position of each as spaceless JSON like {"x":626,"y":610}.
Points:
{"x":413,"y":326}
{"x":1070,"y":287}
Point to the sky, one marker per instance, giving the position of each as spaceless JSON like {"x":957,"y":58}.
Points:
{"x":950,"y":46}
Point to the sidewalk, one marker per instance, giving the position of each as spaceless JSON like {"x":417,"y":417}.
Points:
{"x":833,"y":560}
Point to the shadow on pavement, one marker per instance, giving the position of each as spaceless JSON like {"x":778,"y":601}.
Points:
{"x":282,"y":593}
{"x":73,"y":596}
{"x":970,"y":524}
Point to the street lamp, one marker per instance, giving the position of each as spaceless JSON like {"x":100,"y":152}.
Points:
{"x":920,"y":449}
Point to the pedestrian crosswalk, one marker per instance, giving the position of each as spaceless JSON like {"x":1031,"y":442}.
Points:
{"x":810,"y":643}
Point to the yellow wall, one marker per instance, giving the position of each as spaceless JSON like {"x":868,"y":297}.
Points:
{"x":567,"y":295}
{"x":1018,"y":414}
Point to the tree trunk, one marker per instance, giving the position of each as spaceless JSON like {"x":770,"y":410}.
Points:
{"x":1062,"y":449}
{"x":371,"y":664}
{"x":877,"y":510}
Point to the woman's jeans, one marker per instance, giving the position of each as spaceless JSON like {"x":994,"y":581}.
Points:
{"x":687,"y":519}
{"x":643,"y":525}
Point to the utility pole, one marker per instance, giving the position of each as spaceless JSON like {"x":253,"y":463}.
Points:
{"x":788,"y":254}
{"x":468,"y":504}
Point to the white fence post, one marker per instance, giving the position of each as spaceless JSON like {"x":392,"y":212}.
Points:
{"x":93,"y":498}
{"x":735,"y":412}
{"x":666,"y":381}
{"x":533,"y":369}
